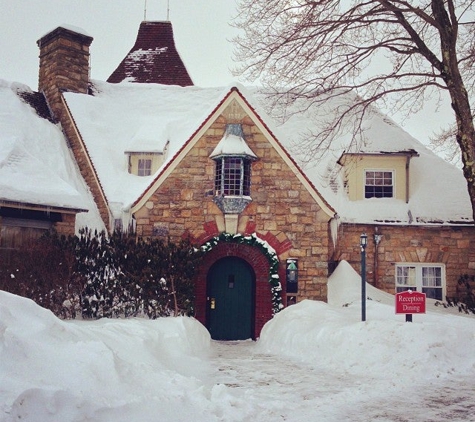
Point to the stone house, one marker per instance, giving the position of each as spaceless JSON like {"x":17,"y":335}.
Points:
{"x":167,"y":159}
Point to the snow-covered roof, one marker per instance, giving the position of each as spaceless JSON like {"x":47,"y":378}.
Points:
{"x":232,"y":144}
{"x":35,"y":166}
{"x":112,"y":119}
{"x":437,"y":189}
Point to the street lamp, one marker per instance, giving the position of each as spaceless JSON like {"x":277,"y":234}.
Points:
{"x":363,"y":243}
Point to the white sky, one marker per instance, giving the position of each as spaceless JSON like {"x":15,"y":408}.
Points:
{"x":202,"y":35}
{"x":201,"y":30}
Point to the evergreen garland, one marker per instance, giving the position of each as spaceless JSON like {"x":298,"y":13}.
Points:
{"x":269,"y":253}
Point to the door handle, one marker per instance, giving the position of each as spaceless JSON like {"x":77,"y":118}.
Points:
{"x":212,"y":304}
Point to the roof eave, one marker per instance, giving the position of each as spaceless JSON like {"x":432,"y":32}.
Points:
{"x":41,"y":207}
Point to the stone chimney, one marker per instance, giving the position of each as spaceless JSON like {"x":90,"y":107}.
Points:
{"x":153,"y":58}
{"x":64,"y":64}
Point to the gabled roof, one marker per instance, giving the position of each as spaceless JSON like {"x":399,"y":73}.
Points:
{"x":116,"y":114}
{"x":234,"y":94}
{"x":35,"y":165}
{"x":153,"y":58}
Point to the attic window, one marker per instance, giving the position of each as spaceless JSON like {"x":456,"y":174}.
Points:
{"x":379,"y":184}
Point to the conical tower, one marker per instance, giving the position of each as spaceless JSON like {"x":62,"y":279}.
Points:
{"x":153,"y":58}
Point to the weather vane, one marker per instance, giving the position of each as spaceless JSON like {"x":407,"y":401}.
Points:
{"x":145,"y":10}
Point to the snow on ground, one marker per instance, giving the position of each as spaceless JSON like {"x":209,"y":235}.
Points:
{"x":313,"y":362}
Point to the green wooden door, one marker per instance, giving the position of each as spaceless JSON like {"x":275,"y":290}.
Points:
{"x":230,"y":299}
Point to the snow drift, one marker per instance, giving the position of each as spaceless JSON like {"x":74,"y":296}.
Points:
{"x":164,"y":370}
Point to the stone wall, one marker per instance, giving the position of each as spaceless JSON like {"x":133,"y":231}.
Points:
{"x":67,"y":225}
{"x":450,"y":245}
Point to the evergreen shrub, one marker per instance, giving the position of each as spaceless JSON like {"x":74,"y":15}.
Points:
{"x":465,"y":299}
{"x":95,"y":275}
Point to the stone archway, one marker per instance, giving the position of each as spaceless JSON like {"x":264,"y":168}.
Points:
{"x":254,"y":257}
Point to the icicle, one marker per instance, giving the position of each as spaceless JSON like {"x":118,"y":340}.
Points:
{"x":128,"y":222}
{"x":334,"y":225}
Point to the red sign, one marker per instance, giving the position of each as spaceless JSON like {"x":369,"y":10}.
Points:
{"x":410,"y":302}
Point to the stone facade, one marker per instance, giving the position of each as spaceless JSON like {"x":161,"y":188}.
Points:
{"x":453,"y":246}
{"x":282,"y":211}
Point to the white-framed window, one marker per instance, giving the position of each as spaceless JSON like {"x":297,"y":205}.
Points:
{"x":233,"y":176}
{"x":145,"y":167}
{"x":425,"y":278}
{"x":379,"y":184}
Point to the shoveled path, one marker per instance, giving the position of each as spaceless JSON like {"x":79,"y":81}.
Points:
{"x":266,"y":388}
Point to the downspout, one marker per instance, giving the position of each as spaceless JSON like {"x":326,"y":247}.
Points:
{"x":377,"y":239}
{"x":408,"y":158}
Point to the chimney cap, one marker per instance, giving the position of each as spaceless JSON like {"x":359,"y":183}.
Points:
{"x":67,"y":31}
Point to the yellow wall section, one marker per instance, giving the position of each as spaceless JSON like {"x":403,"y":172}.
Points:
{"x":157,"y":160}
{"x":355,"y":167}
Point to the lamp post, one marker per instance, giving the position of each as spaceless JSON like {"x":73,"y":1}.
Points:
{"x":363,"y":243}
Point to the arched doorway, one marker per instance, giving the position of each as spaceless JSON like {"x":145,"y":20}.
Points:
{"x":230,"y":291}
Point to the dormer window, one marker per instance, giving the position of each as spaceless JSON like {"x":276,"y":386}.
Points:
{"x":379,"y":184}
{"x":144,"y":159}
{"x":232,"y":183}
{"x":377,"y":174}
{"x":144,"y":167}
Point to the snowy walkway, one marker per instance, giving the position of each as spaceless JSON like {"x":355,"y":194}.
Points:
{"x":265,"y":388}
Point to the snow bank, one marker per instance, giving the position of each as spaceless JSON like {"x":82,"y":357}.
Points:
{"x":53,"y":370}
{"x":319,"y":334}
{"x":168,"y":370}
{"x":332,"y":336}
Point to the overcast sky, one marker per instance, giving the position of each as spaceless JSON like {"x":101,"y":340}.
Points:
{"x":202,"y":36}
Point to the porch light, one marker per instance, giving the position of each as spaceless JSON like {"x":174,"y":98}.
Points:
{"x":292,"y":276}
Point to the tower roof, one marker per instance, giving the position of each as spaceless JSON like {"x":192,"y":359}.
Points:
{"x":153,"y":58}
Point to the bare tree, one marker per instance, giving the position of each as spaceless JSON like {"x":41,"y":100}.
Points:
{"x":396,"y":53}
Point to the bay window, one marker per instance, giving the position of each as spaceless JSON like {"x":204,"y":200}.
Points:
{"x":233,"y":176}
